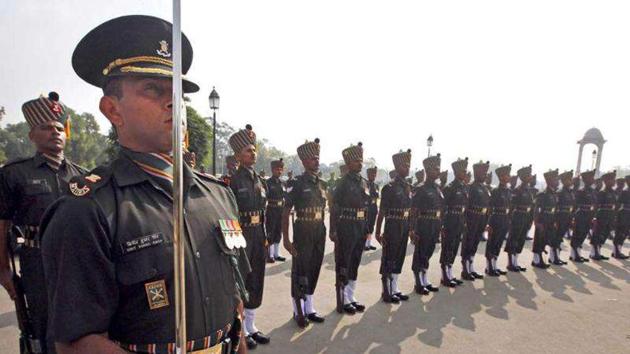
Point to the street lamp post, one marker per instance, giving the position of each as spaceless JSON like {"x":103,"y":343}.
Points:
{"x":429,"y":144}
{"x":214,"y":106}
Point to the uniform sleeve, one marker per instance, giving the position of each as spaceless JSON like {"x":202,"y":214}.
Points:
{"x":291,"y":195}
{"x":7,"y":196}
{"x":385,"y":198}
{"x":80,"y":273}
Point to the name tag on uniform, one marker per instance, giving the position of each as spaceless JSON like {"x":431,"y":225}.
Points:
{"x":156,"y":294}
{"x":143,"y":242}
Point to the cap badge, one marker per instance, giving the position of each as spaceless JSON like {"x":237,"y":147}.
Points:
{"x":163,"y":51}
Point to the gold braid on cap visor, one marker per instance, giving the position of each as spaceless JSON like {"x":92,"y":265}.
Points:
{"x":141,"y":59}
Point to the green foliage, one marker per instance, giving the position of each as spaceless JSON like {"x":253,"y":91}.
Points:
{"x":14,"y":141}
{"x":86,"y":146}
{"x":199,"y":138}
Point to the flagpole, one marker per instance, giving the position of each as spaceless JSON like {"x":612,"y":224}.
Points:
{"x":179,"y":246}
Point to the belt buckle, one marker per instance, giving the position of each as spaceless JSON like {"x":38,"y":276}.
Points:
{"x":570,"y":209}
{"x":360,"y":214}
{"x":318,"y":216}
{"x":553,"y":210}
{"x":254,"y":219}
{"x":529,"y":209}
{"x":406,"y":214}
{"x":438,"y":213}
{"x":507,"y":210}
{"x":592,"y":208}
{"x":484,"y":210}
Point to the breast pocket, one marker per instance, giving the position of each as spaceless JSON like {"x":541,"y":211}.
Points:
{"x":37,"y":188}
{"x":146,"y":264}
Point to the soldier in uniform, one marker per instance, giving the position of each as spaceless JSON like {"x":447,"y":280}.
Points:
{"x":443,"y":179}
{"x":392,"y":175}
{"x":545,"y":218}
{"x":623,"y":221}
{"x":275,"y":205}
{"x":605,"y":216}
{"x":419,"y":178}
{"x":27,"y":187}
{"x":231,"y":164}
{"x":620,"y":184}
{"x":477,"y":214}
{"x":455,"y":202}
{"x":565,"y":214}
{"x":499,"y":223}
{"x":307,"y":197}
{"x":250,"y":191}
{"x":395,"y":209}
{"x":522,"y":205}
{"x":107,"y":247}
{"x":585,"y":200}
{"x":348,"y":228}
{"x":426,"y":224}
{"x":599,"y":184}
{"x":373,"y":207}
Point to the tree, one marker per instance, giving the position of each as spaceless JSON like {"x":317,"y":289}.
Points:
{"x":199,"y":137}
{"x":14,"y":141}
{"x":86,"y":146}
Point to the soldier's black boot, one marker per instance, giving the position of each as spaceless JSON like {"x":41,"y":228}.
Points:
{"x":490,"y":271}
{"x":466,"y":275}
{"x":446,"y":281}
{"x":541,"y":263}
{"x":388,"y":297}
{"x":511,"y":267}
{"x":617,"y":253}
{"x":419,"y":288}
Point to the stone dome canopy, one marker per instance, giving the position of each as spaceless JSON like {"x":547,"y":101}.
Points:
{"x":592,"y":136}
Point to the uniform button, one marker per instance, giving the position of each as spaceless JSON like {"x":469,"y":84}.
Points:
{"x":207,"y":300}
{"x":198,"y":254}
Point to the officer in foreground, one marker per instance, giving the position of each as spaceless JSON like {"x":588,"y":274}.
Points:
{"x":109,"y":271}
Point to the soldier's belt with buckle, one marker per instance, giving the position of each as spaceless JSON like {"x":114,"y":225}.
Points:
{"x":251,"y":218}
{"x":30,"y":236}
{"x":586,"y":207}
{"x":430,"y":214}
{"x":212,"y":344}
{"x":373,"y":200}
{"x":275,"y":203}
{"x":606,"y":207}
{"x":456,"y":210}
{"x":500,"y":211}
{"x":397,"y":213}
{"x":565,"y":209}
{"x":310,"y":214}
{"x":523,"y":208}
{"x":550,"y":211}
{"x":354,"y":214}
{"x":478,"y":210}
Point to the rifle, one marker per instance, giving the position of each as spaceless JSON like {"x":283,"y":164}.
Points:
{"x":29,"y":344}
{"x":341,"y":280}
{"x":300,"y":283}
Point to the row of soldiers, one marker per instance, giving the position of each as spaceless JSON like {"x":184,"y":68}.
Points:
{"x":96,"y":262}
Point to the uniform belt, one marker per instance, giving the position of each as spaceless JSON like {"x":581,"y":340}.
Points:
{"x":456,"y":210}
{"x":606,"y":207}
{"x":373,"y":200}
{"x":478,"y":210}
{"x":500,"y":211}
{"x":31,"y":243}
{"x":551,"y":211}
{"x":251,"y":218}
{"x":523,"y":208}
{"x":275,"y":203}
{"x":565,"y":209}
{"x":354,"y":214}
{"x":212,"y":344}
{"x":398,"y":214}
{"x":430,"y":214}
{"x":586,"y":207}
{"x":310,"y":214}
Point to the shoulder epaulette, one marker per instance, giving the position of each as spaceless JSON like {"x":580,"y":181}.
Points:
{"x":211,"y":178}
{"x":16,"y":161}
{"x":86,"y":184}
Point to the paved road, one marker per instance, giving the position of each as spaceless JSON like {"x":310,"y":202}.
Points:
{"x":576,"y":308}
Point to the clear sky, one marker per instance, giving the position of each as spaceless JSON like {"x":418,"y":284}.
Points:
{"x":506,"y":81}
